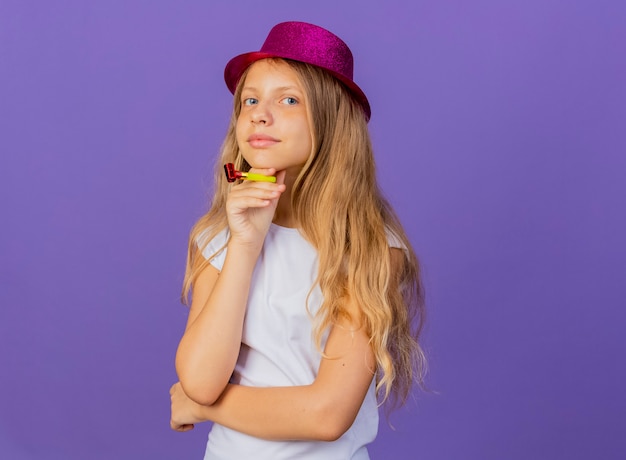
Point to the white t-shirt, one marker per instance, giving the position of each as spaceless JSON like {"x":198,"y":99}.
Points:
{"x":278,"y":350}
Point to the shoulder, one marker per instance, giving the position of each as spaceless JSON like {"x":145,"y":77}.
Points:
{"x":213,"y":246}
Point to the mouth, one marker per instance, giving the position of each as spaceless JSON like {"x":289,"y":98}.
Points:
{"x":261,"y":140}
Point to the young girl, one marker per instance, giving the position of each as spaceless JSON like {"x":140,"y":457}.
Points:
{"x":306,"y":300}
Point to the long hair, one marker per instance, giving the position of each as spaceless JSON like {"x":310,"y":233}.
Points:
{"x":350,"y":223}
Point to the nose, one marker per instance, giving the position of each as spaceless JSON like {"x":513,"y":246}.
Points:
{"x":261,"y":115}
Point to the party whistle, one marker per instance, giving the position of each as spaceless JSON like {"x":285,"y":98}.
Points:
{"x":232,"y":175}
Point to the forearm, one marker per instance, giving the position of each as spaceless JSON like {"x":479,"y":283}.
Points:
{"x":276,"y":413}
{"x":209,"y":348}
{"x":323,"y":410}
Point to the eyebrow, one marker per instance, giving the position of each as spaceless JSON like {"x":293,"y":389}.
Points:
{"x":280,"y":89}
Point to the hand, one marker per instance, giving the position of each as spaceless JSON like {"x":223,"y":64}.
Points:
{"x":184,"y":410}
{"x":250,"y":207}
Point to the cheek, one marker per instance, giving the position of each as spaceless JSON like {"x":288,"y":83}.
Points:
{"x":238,"y":126}
{"x":239,"y":132}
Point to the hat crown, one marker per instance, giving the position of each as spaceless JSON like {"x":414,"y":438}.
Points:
{"x":309,"y":43}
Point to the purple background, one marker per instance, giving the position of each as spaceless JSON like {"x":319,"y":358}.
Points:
{"x":508,"y":121}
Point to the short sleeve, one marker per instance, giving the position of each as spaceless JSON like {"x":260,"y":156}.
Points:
{"x":215,"y":249}
{"x":394,"y":241}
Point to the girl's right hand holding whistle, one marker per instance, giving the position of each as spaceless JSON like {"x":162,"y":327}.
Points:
{"x":250,"y":208}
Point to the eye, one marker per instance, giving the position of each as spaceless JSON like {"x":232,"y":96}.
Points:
{"x":289,"y":101}
{"x":250,"y":101}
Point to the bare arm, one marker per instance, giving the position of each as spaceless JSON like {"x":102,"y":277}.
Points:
{"x":323,"y":410}
{"x":209,"y":348}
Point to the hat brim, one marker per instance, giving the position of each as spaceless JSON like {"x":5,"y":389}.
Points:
{"x":238,"y":65}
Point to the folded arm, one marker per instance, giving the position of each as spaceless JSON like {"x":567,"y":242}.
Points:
{"x":323,"y":410}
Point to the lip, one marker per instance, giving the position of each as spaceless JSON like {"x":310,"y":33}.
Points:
{"x":262,"y":140}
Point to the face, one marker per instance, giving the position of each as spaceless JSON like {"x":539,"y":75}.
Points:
{"x":273,"y":127}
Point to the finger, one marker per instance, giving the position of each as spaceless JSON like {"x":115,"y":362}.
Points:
{"x":182,"y":428}
{"x":255,"y":185}
{"x":243,"y":203}
{"x":176,"y":426}
{"x":239,"y":198}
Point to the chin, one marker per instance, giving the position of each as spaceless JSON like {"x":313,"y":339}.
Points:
{"x":258,"y":163}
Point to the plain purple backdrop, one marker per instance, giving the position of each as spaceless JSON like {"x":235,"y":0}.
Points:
{"x":500,"y":132}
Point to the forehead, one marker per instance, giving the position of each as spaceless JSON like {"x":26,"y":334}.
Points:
{"x":271,"y":72}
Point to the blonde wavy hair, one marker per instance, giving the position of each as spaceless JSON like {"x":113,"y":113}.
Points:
{"x":349,"y":222}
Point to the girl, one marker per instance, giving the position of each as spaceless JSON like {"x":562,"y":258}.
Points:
{"x":306,"y":300}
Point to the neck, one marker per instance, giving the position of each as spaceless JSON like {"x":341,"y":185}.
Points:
{"x":283,"y":215}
